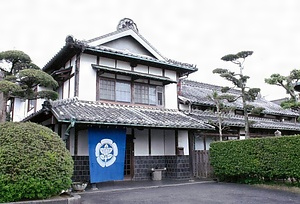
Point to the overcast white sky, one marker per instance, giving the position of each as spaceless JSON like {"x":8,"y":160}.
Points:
{"x":194,"y":31}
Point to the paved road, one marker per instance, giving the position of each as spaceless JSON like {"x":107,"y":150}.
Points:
{"x":189,"y":192}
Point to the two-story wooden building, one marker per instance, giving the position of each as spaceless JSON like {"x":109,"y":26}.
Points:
{"x":117,"y":108}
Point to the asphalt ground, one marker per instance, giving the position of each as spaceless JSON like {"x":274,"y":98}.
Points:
{"x":185,"y":192}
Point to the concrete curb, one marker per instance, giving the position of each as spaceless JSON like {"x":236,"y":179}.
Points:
{"x":128,"y":188}
{"x":75,"y":199}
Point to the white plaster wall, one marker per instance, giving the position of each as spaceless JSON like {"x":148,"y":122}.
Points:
{"x":60,"y":92}
{"x":106,"y":62}
{"x":141,"y":68}
{"x":169,"y":142}
{"x":66,"y":89}
{"x":155,"y":71}
{"x":72,"y":139}
{"x":171,"y":74}
{"x":199,"y":143}
{"x":87,"y":78}
{"x":157,"y":142}
{"x":83,"y":144}
{"x":171,"y":96}
{"x":72,"y":86}
{"x":141,"y":142}
{"x":183,"y":141}
{"x":19,"y":110}
{"x":123,"y":65}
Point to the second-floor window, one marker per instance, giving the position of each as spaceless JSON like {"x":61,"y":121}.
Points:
{"x":115,"y":91}
{"x":126,"y":91}
{"x":148,"y":94}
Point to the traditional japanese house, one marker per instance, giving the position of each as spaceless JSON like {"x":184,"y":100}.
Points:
{"x":117,"y":108}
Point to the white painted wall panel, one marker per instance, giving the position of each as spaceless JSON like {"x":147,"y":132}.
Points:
{"x":87,"y":78}
{"x":19,"y":110}
{"x":171,"y":74}
{"x":183,"y":141}
{"x":83,"y":145}
{"x":141,"y":142}
{"x":171,"y":96}
{"x":72,"y":86}
{"x":106,"y":62}
{"x":155,"y":71}
{"x":123,"y":65}
{"x":157,"y":142}
{"x":141,"y":68}
{"x":170,"y":142}
{"x":66,"y":89}
{"x":72,"y":141}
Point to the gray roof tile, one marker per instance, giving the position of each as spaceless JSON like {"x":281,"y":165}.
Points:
{"x":197,"y":93}
{"x":238,"y":121}
{"x":122,"y":114}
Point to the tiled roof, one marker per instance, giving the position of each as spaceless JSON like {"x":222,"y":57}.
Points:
{"x":197,"y":93}
{"x":126,"y":115}
{"x":74,"y":46}
{"x":232,"y":120}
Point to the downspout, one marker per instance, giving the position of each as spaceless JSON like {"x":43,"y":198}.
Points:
{"x":190,"y":107}
{"x":67,"y":132}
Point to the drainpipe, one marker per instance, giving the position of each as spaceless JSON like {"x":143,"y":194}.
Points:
{"x":67,"y":132}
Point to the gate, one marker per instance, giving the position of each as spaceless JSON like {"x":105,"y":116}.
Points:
{"x":201,"y":164}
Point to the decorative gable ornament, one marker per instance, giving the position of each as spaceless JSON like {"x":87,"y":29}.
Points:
{"x":127,"y":23}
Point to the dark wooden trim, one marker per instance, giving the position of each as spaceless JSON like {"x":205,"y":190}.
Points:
{"x":75,"y":141}
{"x":176,"y":141}
{"x":149,"y":140}
{"x":77,"y":71}
{"x":191,"y":141}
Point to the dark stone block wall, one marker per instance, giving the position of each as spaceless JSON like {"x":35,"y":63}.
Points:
{"x":81,"y":168}
{"x":177,"y":167}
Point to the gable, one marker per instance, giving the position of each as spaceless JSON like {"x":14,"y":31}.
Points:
{"x":128,"y":44}
{"x":131,"y":37}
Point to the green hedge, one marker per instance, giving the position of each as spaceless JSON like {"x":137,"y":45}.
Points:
{"x":257,"y":160}
{"x":34,"y":163}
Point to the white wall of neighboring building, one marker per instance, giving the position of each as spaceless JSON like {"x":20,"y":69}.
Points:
{"x":183,"y":141}
{"x":87,"y":78}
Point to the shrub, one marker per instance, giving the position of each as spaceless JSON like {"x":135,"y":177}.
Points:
{"x":257,"y":160}
{"x":34,"y":163}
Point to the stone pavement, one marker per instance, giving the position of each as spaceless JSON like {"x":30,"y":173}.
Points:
{"x":172,"y":191}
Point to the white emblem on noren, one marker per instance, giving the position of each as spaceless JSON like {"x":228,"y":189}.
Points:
{"x":106,"y":152}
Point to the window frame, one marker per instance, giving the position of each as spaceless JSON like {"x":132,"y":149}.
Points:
{"x":159,"y":92}
{"x":115,"y":98}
